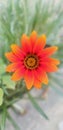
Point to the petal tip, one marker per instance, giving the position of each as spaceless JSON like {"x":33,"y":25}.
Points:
{"x":28,"y":87}
{"x":24,"y":35}
{"x":13,"y":45}
{"x":7,"y":70}
{"x":46,"y":82}
{"x":44,"y":36}
{"x":56,"y":48}
{"x":6,"y":54}
{"x":13,"y":78}
{"x":58,"y":63}
{"x":34,"y":32}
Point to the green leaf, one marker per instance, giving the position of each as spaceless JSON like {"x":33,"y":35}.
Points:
{"x":8,"y":82}
{"x":13,"y":122}
{"x":3,"y":118}
{"x":56,"y":87}
{"x":37,"y":107}
{"x":58,"y":91}
{"x":1,"y":96}
{"x":2,"y":66}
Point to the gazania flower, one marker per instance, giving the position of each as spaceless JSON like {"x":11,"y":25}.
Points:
{"x":31,"y":60}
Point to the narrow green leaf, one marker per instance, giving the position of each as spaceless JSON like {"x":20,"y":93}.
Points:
{"x":2,"y":66}
{"x":1,"y":96}
{"x":13,"y":122}
{"x":3,"y":119}
{"x":54,"y":86}
{"x":37,"y":107}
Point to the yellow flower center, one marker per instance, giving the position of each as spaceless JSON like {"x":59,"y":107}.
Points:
{"x":31,"y":61}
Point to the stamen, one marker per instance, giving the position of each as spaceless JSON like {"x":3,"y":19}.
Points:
{"x":31,"y":61}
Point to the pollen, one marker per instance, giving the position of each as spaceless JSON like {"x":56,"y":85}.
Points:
{"x":31,"y":61}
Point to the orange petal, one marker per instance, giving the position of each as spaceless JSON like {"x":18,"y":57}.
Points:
{"x":37,"y":83}
{"x":40,"y":43}
{"x":33,"y":38}
{"x":11,"y":57}
{"x":29,"y":79}
{"x":45,"y":78}
{"x":17,"y":51}
{"x":26,"y":45}
{"x":25,"y":40}
{"x":54,"y":61}
{"x":41,"y":75}
{"x":18,"y":74}
{"x":49,"y":51}
{"x":13,"y":66}
{"x":49,"y":67}
{"x":50,"y":60}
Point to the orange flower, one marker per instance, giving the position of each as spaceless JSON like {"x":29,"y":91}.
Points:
{"x":31,"y":60}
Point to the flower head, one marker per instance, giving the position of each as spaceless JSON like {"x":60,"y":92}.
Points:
{"x":32,"y":60}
